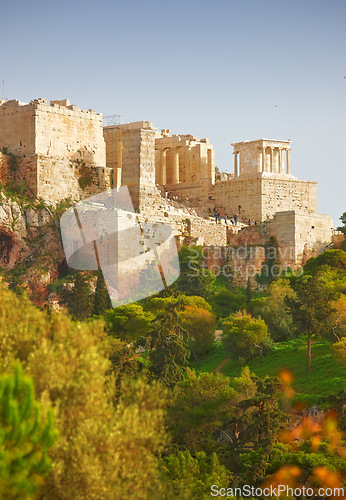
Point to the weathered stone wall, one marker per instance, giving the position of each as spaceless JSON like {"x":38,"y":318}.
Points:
{"x":207,"y":232}
{"x":60,"y":147}
{"x":239,"y":196}
{"x":17,"y":127}
{"x":282,"y":194}
{"x":242,"y":262}
{"x":66,"y":131}
{"x":59,"y":178}
{"x":301,"y":236}
{"x":131,"y":155}
{"x":251,"y":235}
{"x":259,"y":198}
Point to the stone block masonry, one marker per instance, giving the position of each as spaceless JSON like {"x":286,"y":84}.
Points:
{"x":64,"y":152}
{"x":131,"y":156}
{"x":301,"y":236}
{"x":61,"y":150}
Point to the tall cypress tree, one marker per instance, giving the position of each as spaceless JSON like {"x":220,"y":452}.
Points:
{"x":248,"y":291}
{"x":271,"y":267}
{"x":80,"y":304}
{"x":102,"y":301}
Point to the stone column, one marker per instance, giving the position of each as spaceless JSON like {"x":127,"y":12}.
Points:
{"x":263,"y":159}
{"x":235,"y":164}
{"x":280,"y":160}
{"x":271,"y":158}
{"x":119,"y":154}
{"x":163,"y":165}
{"x":188,"y":164}
{"x":175,"y":166}
{"x":211,"y":163}
{"x":288,"y":169}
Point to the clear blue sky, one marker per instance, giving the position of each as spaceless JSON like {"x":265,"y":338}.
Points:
{"x":224,"y":69}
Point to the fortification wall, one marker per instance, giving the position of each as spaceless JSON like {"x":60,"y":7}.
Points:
{"x":17,"y":127}
{"x":207,"y":232}
{"x":301,"y":236}
{"x":62,"y":130}
{"x":60,"y":148}
{"x":259,"y":198}
{"x":239,"y":196}
{"x":59,"y":178}
{"x":280,"y":194}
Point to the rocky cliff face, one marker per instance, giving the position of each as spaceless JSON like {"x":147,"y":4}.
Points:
{"x":30,"y":245}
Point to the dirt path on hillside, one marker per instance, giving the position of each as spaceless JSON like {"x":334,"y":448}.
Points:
{"x":218,"y":368}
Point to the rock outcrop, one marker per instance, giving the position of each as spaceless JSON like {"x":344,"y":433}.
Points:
{"x":30,"y":245}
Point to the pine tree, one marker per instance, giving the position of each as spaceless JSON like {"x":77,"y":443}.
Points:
{"x":310,"y":307}
{"x":102,"y":301}
{"x":168,"y":355}
{"x":24,"y":439}
{"x":80,"y":305}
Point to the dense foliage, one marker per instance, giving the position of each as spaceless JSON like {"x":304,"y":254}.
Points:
{"x":132,"y":419}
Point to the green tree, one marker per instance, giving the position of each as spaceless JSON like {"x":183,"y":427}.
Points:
{"x":158,"y":305}
{"x":274,"y":310}
{"x":248,"y":291}
{"x":340,"y":350}
{"x":124,"y":364}
{"x":226,"y":302}
{"x":102,"y":301}
{"x":330,"y":259}
{"x":245,"y":337}
{"x":102,"y":451}
{"x":310,"y":307}
{"x":195,"y":278}
{"x":168,"y":350}
{"x":202,"y":405}
{"x":79,"y":302}
{"x":271,"y":267}
{"x":343,"y":220}
{"x":24,"y":439}
{"x":199,"y":323}
{"x":257,"y":422}
{"x":129,"y":323}
{"x":190,"y":478}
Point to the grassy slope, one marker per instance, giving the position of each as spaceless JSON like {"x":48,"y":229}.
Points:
{"x":327,"y":375}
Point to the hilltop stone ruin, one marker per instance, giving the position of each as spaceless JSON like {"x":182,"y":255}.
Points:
{"x":61,"y":151}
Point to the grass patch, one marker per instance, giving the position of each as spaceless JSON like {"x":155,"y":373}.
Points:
{"x":214,"y":359}
{"x":326,"y":377}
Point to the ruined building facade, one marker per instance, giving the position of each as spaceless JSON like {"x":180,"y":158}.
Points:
{"x":65,"y":152}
